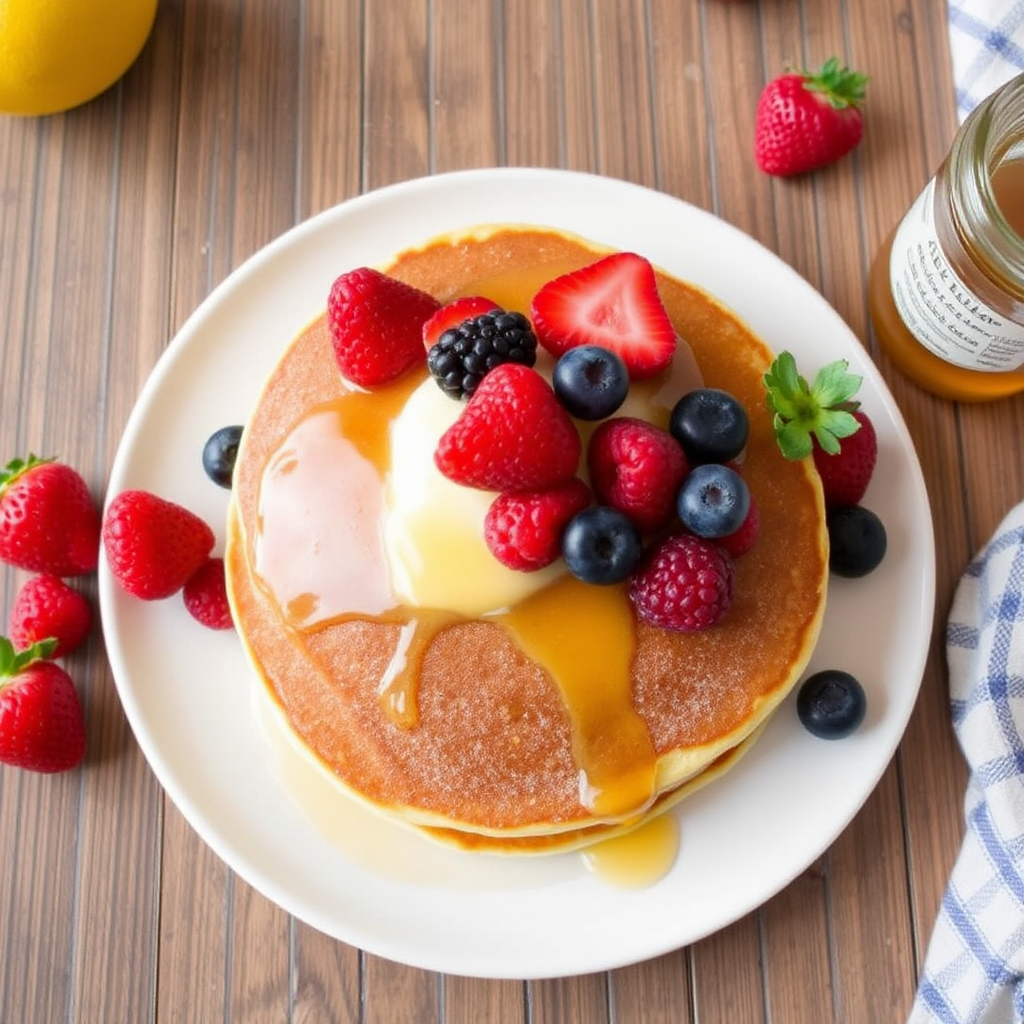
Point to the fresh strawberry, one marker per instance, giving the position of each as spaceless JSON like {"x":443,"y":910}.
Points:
{"x":806,"y":120}
{"x":845,"y":477}
{"x":376,"y":325}
{"x":153,"y":545}
{"x":513,"y":435}
{"x":742,"y":540}
{"x":206,"y":595}
{"x":613,"y":303}
{"x":41,"y":723}
{"x":637,"y":468}
{"x":456,"y":312}
{"x":523,"y":529}
{"x":812,"y":419}
{"x":48,"y":520}
{"x":684,"y":583}
{"x":47,"y":607}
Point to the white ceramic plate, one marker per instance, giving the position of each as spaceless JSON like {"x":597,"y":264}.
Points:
{"x":186,"y":690}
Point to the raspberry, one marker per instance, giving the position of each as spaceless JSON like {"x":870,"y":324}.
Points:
{"x":637,"y":468}
{"x":465,"y":353}
{"x":685,"y":583}
{"x":513,"y":435}
{"x":376,"y":325}
{"x":206,"y":597}
{"x":524,"y":529}
{"x":740,"y":541}
{"x":47,"y":607}
{"x":153,"y":545}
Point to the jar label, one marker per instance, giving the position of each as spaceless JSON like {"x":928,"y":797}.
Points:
{"x":942,"y":312}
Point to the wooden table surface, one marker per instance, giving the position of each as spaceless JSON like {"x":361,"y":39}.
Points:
{"x":243,"y":117}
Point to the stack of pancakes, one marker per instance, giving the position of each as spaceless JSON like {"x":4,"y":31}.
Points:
{"x":564,"y":720}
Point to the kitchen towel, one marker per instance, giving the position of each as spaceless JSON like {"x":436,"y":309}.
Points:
{"x":986,"y":41}
{"x":974,"y":967}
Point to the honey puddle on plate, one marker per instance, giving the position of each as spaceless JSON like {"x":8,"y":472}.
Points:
{"x":399,"y":853}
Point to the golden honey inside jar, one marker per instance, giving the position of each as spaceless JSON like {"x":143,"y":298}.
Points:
{"x":489,"y":708}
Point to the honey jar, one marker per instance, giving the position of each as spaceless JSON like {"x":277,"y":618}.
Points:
{"x":947,"y":288}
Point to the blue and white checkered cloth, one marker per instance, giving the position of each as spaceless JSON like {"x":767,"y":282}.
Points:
{"x":974,"y":967}
{"x":986,"y":41}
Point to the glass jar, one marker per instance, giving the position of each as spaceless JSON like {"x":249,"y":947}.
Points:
{"x":947,"y":288}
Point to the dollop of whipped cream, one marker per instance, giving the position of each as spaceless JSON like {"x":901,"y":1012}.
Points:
{"x":434,"y":528}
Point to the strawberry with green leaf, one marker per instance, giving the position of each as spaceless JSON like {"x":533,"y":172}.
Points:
{"x":824,"y":420}
{"x":42,"y":727}
{"x":806,"y":120}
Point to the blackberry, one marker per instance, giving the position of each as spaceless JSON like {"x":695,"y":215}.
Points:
{"x":463,"y":355}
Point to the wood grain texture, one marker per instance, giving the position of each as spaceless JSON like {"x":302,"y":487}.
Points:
{"x":243,"y":117}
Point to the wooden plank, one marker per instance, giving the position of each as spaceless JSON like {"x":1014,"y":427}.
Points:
{"x":727,"y":982}
{"x":470,"y":1000}
{"x":656,"y":991}
{"x":580,"y":998}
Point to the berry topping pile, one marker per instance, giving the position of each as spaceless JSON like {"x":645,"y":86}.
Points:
{"x":600,"y":503}
{"x":465,"y":353}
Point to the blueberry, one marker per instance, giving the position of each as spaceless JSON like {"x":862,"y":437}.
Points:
{"x":601,"y":545}
{"x":591,"y":382}
{"x":831,"y":704}
{"x":713,"y":501}
{"x":857,"y":541}
{"x":710,"y":425}
{"x":219,"y":454}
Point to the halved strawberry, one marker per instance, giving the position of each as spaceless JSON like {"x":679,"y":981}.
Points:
{"x":457,"y":311}
{"x":613,"y":303}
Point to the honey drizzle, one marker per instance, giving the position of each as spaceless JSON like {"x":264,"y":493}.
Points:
{"x":397,"y":690}
{"x":584,"y":636}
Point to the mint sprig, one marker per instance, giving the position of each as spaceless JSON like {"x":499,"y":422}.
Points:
{"x":822,"y":411}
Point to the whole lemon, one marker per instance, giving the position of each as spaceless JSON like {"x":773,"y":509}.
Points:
{"x":56,"y":54}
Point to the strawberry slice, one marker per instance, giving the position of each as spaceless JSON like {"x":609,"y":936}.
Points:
{"x":613,"y":303}
{"x":456,"y":312}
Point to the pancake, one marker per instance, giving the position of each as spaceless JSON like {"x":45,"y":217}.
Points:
{"x":548,"y":725}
